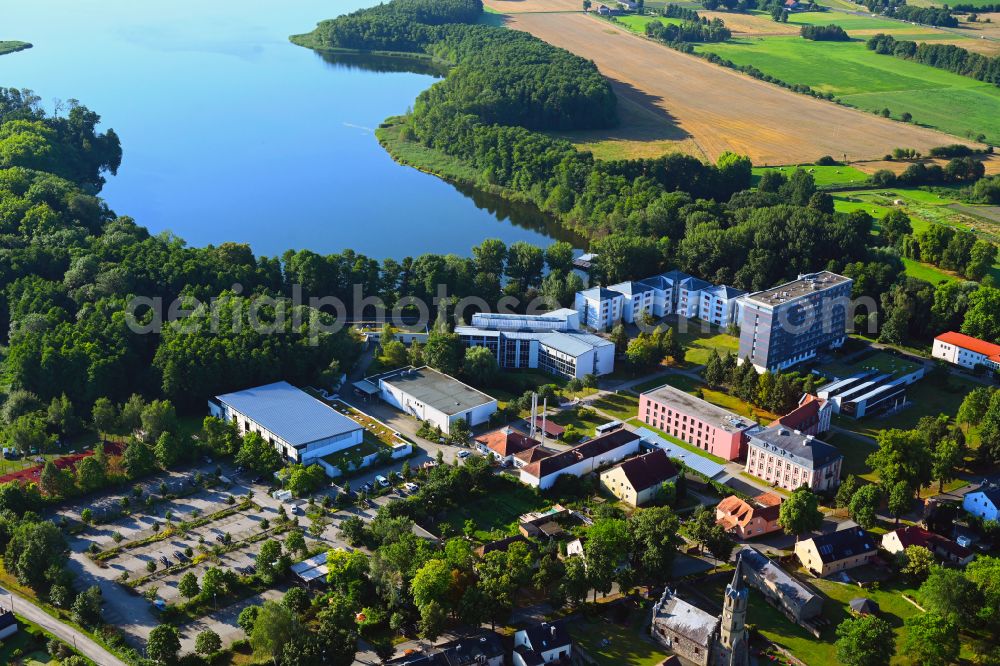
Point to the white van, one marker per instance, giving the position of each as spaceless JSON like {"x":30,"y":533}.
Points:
{"x":382,"y":481}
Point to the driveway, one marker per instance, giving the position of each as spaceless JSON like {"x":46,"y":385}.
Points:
{"x":77,"y":639}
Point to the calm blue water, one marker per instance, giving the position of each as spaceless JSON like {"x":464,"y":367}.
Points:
{"x":230,"y":132}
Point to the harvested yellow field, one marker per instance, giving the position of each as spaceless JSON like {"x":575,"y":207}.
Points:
{"x":706,"y":110}
{"x":521,"y":6}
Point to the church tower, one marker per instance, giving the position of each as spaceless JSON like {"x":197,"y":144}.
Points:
{"x":731,"y":648}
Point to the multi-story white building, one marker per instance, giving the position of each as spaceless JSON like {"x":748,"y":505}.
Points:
{"x":720,"y":305}
{"x":599,"y":308}
{"x":788,"y":459}
{"x":563,"y":319}
{"x":673,"y":292}
{"x":571,"y":354}
{"x":966,"y":351}
{"x":637,"y":298}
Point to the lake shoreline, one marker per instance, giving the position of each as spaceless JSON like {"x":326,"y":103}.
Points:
{"x":13,"y":46}
{"x":456,"y":172}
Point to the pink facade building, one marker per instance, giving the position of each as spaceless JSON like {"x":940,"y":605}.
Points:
{"x":696,"y":422}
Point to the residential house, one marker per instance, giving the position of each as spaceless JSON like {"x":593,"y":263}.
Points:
{"x":695,"y":421}
{"x":984,"y":502}
{"x":504,"y":443}
{"x":501,"y":545}
{"x":811,"y":417}
{"x":746,"y":520}
{"x":544,"y":643}
{"x":483,"y":649}
{"x":638,"y":480}
{"x":966,"y":351}
{"x":836,"y":551}
{"x":532,"y":455}
{"x":582,"y":459}
{"x":784,"y":591}
{"x":943,"y":548}
{"x":8,"y":624}
{"x":788,"y":459}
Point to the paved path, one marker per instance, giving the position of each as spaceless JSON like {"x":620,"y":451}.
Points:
{"x":74,"y":637}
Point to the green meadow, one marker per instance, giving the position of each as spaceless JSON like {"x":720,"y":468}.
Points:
{"x":864,"y":79}
{"x":637,"y":24}
{"x":825,"y":176}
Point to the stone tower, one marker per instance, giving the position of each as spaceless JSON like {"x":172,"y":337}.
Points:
{"x":731,"y":648}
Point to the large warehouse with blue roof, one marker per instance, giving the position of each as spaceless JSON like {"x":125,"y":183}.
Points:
{"x":297,"y":424}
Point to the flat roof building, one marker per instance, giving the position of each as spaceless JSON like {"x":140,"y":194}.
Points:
{"x":297,"y":424}
{"x":790,"y":323}
{"x":433,"y":396}
{"x":788,"y":459}
{"x":566,"y":353}
{"x":695,"y":421}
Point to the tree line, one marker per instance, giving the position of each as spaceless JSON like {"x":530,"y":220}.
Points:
{"x":690,"y":31}
{"x":531,"y":83}
{"x":943,"y":56}
{"x":941,"y":17}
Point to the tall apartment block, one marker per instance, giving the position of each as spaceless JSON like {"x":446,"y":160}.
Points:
{"x":790,"y":323}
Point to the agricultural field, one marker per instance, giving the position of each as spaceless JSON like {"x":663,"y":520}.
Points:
{"x":871,"y":82}
{"x":692,"y":100}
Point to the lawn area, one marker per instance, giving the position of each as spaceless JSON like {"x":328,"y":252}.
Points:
{"x":719,"y":398}
{"x":583,"y":423}
{"x":864,"y":79}
{"x":627,"y":647}
{"x":622,"y":406}
{"x":882,"y":361}
{"x":700,"y":338}
{"x":922,"y":271}
{"x":825,"y":176}
{"x":369,"y":445}
{"x":777,"y":628}
{"x":855,"y":451}
{"x":670,"y":438}
{"x":498,"y":509}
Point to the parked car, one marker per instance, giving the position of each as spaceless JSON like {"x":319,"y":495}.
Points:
{"x":297,"y":510}
{"x":160,"y":604}
{"x":382,"y":481}
{"x":166,"y":562}
{"x":367,"y":486}
{"x":411,"y":487}
{"x":464,"y":454}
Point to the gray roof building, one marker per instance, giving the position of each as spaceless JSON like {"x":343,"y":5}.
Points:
{"x":804,"y":450}
{"x":289,"y":413}
{"x":437,"y":390}
{"x":694,"y":406}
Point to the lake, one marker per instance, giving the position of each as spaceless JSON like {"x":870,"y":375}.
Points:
{"x":232,"y":133}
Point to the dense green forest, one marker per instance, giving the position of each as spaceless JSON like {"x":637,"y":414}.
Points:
{"x":943,"y":56}
{"x":499,"y":76}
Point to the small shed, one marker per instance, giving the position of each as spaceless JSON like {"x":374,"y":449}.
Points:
{"x":863,"y":606}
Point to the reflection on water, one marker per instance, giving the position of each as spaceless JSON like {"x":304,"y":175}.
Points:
{"x":383,"y":64}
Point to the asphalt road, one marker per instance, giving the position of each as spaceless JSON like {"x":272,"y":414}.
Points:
{"x":73,"y":637}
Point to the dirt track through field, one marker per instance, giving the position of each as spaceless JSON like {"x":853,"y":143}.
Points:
{"x":715,"y":108}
